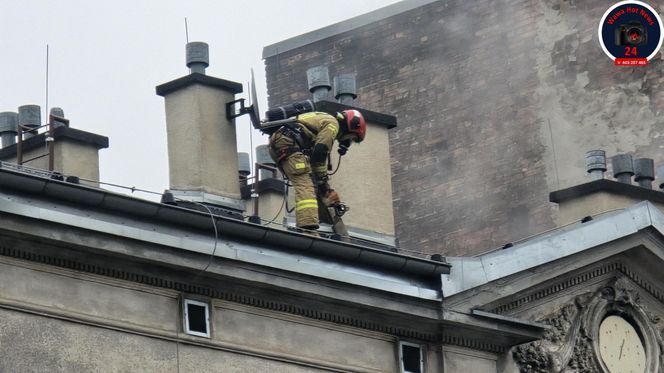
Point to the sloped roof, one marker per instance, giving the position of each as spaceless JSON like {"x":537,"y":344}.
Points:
{"x":472,"y":272}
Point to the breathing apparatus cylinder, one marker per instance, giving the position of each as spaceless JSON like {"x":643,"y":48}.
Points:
{"x":288,"y":111}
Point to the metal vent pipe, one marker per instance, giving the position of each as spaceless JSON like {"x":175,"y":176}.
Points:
{"x":623,"y":168}
{"x":263,"y":157}
{"x":318,"y":79}
{"x":198,"y":57}
{"x":29,"y":116}
{"x":345,"y":88}
{"x":660,"y":177}
{"x":596,"y":164}
{"x":244,"y":167}
{"x":644,"y":172}
{"x":8,"y":122}
{"x":58,"y":112}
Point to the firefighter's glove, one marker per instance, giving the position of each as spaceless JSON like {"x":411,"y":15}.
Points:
{"x":331,"y":198}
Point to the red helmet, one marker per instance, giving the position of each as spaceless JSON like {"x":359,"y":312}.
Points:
{"x":354,"y":122}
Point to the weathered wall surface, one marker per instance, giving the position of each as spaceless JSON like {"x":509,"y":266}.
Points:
{"x":497,"y":102}
{"x":54,"y":319}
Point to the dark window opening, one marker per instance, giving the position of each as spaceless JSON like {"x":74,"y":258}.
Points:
{"x":412,"y":358}
{"x":196,"y":318}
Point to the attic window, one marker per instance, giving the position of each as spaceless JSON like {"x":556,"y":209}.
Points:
{"x":196,"y":318}
{"x":410,"y":357}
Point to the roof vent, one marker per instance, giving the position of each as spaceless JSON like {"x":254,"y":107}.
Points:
{"x":596,"y":164}
{"x":660,"y":177}
{"x":345,"y":89}
{"x":58,"y":112}
{"x":244,"y":167}
{"x":29,"y":116}
{"x":8,"y":122}
{"x":319,"y":82}
{"x":623,"y":168}
{"x":263,"y":157}
{"x":644,"y":172}
{"x":198,"y":57}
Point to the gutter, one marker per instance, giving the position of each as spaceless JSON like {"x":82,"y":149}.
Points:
{"x":286,"y":240}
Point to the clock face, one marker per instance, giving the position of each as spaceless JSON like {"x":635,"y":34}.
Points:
{"x":620,"y":346}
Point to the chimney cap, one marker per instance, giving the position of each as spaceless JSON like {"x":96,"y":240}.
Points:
{"x":318,"y":77}
{"x":644,"y":168}
{"x":29,"y":115}
{"x":198,"y":56}
{"x":8,"y":122}
{"x":345,"y":84}
{"x":187,"y":80}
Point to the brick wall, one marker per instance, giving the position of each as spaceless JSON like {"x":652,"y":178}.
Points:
{"x":497,"y":101}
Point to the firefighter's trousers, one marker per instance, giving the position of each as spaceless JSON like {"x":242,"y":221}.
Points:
{"x":297,"y":169}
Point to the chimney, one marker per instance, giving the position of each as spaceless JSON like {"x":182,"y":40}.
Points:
{"x":601,"y":195}
{"x":644,"y":172}
{"x":318,"y":79}
{"x":364,"y":178}
{"x":75,"y":152}
{"x":345,"y":90}
{"x":8,"y":123}
{"x":623,"y":168}
{"x":202,"y":150}
{"x":596,"y":164}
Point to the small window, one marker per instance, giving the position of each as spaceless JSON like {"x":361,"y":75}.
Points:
{"x":196,"y":318}
{"x":410,"y":357}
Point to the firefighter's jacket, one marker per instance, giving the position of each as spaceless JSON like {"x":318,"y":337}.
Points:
{"x":318,"y":129}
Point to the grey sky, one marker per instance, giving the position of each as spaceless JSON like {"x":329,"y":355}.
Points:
{"x":106,"y":57}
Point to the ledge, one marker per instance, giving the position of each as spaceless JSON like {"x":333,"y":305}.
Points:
{"x":389,"y":121}
{"x":185,"y":81}
{"x":343,"y":26}
{"x":38,"y":141}
{"x":604,"y":185}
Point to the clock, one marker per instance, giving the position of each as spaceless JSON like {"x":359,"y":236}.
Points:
{"x":620,"y":346}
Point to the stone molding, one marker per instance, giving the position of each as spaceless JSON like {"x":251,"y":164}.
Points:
{"x":584,"y":277}
{"x":214,"y":293}
{"x":571,"y":343}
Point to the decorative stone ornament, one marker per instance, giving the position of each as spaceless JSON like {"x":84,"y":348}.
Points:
{"x":577,"y":340}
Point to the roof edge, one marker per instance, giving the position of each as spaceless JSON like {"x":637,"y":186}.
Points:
{"x":343,"y":26}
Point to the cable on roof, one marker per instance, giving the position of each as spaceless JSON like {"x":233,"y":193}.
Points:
{"x":48,"y":174}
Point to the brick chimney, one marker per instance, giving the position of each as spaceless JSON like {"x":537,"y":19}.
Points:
{"x":202,"y":150}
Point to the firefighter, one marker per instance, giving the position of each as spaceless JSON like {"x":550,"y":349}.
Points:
{"x":301,"y":150}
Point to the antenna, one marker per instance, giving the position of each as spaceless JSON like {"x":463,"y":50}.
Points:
{"x":46,"y":108}
{"x":186,"y":29}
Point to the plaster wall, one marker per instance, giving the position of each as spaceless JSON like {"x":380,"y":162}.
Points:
{"x":463,"y":360}
{"x":52,"y":317}
{"x":202,"y":149}
{"x":70,"y":158}
{"x":364,"y":182}
{"x":594,"y":204}
{"x":354,"y":349}
{"x":271,"y":207}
